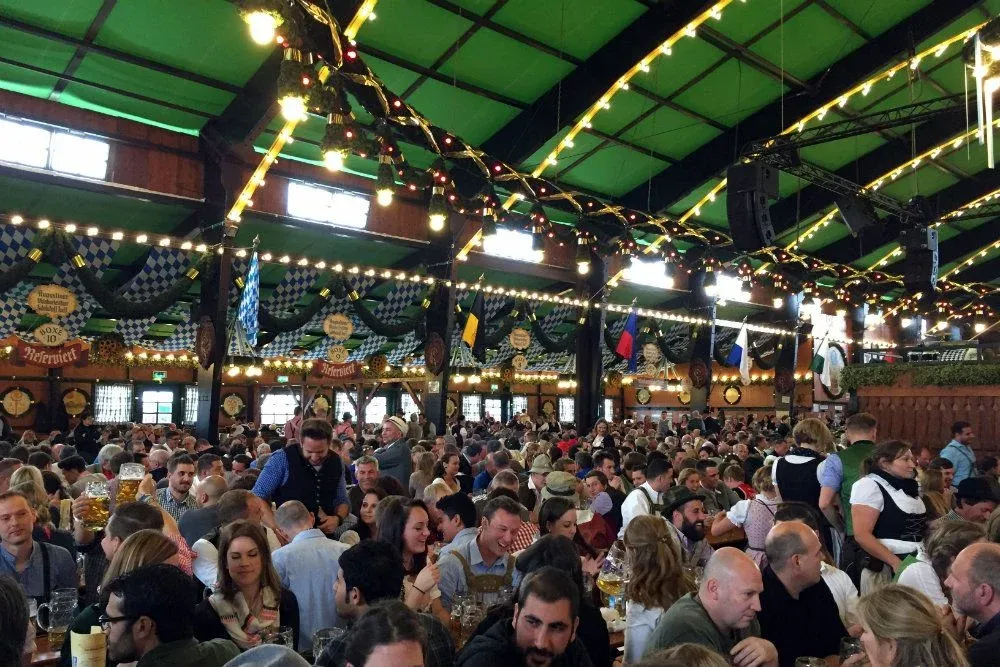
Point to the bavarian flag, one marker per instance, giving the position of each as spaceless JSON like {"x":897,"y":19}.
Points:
{"x":471,"y":334}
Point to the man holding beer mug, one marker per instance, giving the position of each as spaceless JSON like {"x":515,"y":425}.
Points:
{"x":26,"y":560}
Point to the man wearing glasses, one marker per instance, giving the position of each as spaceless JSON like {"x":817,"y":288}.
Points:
{"x":148,"y":619}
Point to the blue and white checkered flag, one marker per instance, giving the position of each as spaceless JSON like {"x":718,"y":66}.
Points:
{"x":250,"y":302}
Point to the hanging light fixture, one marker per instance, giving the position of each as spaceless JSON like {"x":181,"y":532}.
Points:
{"x":262,"y":18}
{"x":539,"y":226}
{"x":385,"y":179}
{"x":582,"y":254}
{"x":489,"y":213}
{"x":985,"y":63}
{"x":437,"y":213}
{"x":295,"y":80}
{"x":711,"y":284}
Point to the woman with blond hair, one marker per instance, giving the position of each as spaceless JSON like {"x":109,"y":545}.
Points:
{"x":684,"y":655}
{"x":936,"y":497}
{"x":658,"y":580}
{"x":755,"y":516}
{"x":796,"y":474}
{"x":902,"y":628}
{"x":144,"y":547}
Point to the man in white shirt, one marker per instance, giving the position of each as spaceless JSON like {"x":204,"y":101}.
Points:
{"x":648,"y":498}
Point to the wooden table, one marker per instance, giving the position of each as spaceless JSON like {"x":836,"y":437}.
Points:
{"x":617,"y":639}
{"x":43,"y":655}
{"x":734,"y":537}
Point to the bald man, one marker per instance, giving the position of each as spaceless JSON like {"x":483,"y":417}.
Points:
{"x":204,"y":518}
{"x":974,"y":582}
{"x":722,"y":615}
{"x":798,"y":612}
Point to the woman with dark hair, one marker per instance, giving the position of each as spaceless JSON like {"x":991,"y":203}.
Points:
{"x":557,"y":517}
{"x":405,"y":524}
{"x":888,"y":513}
{"x":17,"y":637}
{"x":366,"y":527}
{"x":392,"y":628}
{"x":249,"y":602}
{"x":446,"y":470}
{"x":559,"y":552}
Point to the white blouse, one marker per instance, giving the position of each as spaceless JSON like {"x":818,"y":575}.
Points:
{"x":639,"y":624}
{"x":866,"y":492}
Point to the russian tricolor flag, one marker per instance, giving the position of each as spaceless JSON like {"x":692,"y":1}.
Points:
{"x":627,"y":346}
{"x":739,"y":355}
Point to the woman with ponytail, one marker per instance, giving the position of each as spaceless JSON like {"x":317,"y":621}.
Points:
{"x":658,"y":580}
{"x":889,"y":515}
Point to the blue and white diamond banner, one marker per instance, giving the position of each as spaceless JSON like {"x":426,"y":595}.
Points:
{"x":97,"y":253}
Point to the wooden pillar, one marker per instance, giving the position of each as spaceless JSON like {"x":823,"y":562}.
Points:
{"x":440,"y":323}
{"x":589,"y":341}
{"x":787,"y":355}
{"x":702,"y":342}
{"x":214,"y":305}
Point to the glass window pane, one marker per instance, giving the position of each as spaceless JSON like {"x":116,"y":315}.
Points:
{"x":375,"y":411}
{"x":341,"y":405}
{"x":472,"y":406}
{"x":326,"y":206}
{"x":520,"y":404}
{"x":277,"y":408}
{"x":75,"y":154}
{"x":408,"y":405}
{"x":191,"y":396}
{"x":511,"y":244}
{"x":567,"y":409}
{"x":113,"y":403}
{"x":493,"y":408}
{"x":25,"y":144}
{"x":609,"y":408}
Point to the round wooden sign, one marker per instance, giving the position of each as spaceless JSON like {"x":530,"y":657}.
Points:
{"x":434,"y":353}
{"x":732,"y":394}
{"x":16,"y":401}
{"x":643,"y":395}
{"x":53,"y":301}
{"x":519,"y":362}
{"x":684,"y":397}
{"x":232,"y":405}
{"x":75,"y":401}
{"x":338,"y":326}
{"x":520,"y":339}
{"x":51,"y":334}
{"x":548,"y":408}
{"x":450,"y":407}
{"x":204,"y":344}
{"x":338,"y":354}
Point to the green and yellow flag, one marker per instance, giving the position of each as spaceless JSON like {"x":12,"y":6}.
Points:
{"x":471,"y":334}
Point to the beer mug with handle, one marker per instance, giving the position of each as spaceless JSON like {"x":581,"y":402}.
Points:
{"x":59,"y":610}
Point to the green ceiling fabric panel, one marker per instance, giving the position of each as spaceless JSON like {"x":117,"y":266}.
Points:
{"x":804,"y":54}
{"x":578,"y":27}
{"x":879,"y":16}
{"x":690,"y":58}
{"x":465,"y":114}
{"x":731,"y":93}
{"x":35,"y":51}
{"x":614,"y":170}
{"x":203,"y":36}
{"x":670,"y":132}
{"x":413,"y":30}
{"x":68,"y":17}
{"x":742,"y":21}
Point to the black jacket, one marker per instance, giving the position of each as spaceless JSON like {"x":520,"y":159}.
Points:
{"x":496,"y":648}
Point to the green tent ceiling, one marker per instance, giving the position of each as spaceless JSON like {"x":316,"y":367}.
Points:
{"x":483,"y":69}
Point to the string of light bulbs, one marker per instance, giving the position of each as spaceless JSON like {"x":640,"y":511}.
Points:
{"x":139,"y":237}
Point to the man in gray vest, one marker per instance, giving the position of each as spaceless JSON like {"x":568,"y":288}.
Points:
{"x":394,"y":454}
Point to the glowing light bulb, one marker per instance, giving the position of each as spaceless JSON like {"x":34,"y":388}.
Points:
{"x":262,"y":27}
{"x":334,"y":160}
{"x":583,"y":268}
{"x":383,"y":197}
{"x":777,"y":302}
{"x":436,"y":221}
{"x":233,"y":371}
{"x":293,"y":107}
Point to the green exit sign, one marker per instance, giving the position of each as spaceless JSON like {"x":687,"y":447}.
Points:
{"x":159,"y":376}
{"x":282,"y":379}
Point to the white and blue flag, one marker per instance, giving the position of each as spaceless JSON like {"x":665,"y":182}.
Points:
{"x":740,"y":355}
{"x":250,"y":301}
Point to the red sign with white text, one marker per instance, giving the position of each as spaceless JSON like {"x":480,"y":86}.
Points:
{"x":70,"y":354}
{"x":349,"y":371}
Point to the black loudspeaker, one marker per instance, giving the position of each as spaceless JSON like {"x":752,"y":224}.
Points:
{"x":858,"y":213}
{"x":921,"y":271}
{"x":749,"y":188}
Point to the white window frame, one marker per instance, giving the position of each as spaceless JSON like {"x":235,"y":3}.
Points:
{"x":494,"y":412}
{"x":159,"y":417}
{"x":191,"y":398}
{"x":407,"y":405}
{"x":277,"y":408}
{"x":519,"y":403}
{"x":511,"y":244}
{"x":609,"y":409}
{"x":566,"y":404}
{"x":113,"y":402}
{"x":651,"y":273}
{"x":342,"y":405}
{"x":33,"y":145}
{"x":376,"y":410}
{"x":472,"y":407}
{"x":330,"y":207}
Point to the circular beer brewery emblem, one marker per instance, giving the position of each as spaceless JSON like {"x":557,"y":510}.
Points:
{"x":651,"y":352}
{"x":643,"y":395}
{"x":520,"y":339}
{"x":732,"y":394}
{"x":338,"y":326}
{"x":75,"y":402}
{"x":321,"y":404}
{"x":684,"y":397}
{"x":51,"y":334}
{"x":450,"y":407}
{"x":548,"y":408}
{"x":15,"y":402}
{"x":337,"y":354}
{"x":233,"y":405}
{"x":519,"y":362}
{"x":53,"y":301}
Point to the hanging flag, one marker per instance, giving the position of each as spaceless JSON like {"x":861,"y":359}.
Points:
{"x":627,"y":344}
{"x":250,"y":301}
{"x":818,"y":365}
{"x":471,"y":334}
{"x":739,"y":355}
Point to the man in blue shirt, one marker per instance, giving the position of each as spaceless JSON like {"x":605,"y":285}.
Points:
{"x":482,"y":565}
{"x":493,"y":463}
{"x":458,"y":521}
{"x":308,"y":567}
{"x":26,"y":560}
{"x":311,"y":473}
{"x":959,"y":452}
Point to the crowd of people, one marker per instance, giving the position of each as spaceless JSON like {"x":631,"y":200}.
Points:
{"x":486,"y":544}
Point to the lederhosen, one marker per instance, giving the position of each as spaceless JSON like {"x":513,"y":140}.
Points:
{"x":654,"y":508}
{"x":484,"y":585}
{"x":895,"y":524}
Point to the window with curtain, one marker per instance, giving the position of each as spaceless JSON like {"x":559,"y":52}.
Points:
{"x":408,"y":405}
{"x":277,"y":408}
{"x":609,"y":408}
{"x":567,"y":409}
{"x":113,"y":403}
{"x":341,"y":404}
{"x":472,"y":406}
{"x":375,"y":411}
{"x":191,"y":404}
{"x":520,"y":404}
{"x":493,"y":407}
